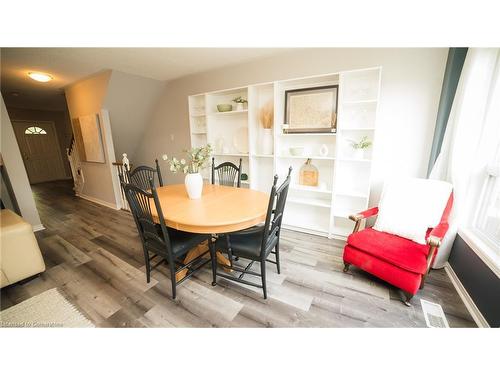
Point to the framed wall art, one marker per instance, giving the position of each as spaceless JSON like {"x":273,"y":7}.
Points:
{"x":89,"y":138}
{"x":311,"y":110}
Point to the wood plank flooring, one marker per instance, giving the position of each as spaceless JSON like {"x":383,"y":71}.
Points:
{"x":94,"y":256}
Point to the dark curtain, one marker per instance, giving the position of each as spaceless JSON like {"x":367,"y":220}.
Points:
{"x":454,"y":65}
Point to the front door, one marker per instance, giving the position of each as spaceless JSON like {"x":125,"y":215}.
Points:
{"x":40,"y":150}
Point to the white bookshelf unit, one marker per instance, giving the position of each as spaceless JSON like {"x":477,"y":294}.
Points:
{"x":344,"y":176}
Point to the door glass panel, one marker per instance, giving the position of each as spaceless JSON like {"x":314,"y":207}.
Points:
{"x":35,"y":130}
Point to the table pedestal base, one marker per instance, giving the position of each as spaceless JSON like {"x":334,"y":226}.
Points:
{"x":197,"y":251}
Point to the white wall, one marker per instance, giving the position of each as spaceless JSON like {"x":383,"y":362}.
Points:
{"x":130,"y":100}
{"x":411,"y":86}
{"x":86,"y":97}
{"x":17,"y":173}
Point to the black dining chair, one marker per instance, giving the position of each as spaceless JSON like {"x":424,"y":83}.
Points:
{"x":257,"y":243}
{"x":141,"y":175}
{"x":169,"y":244}
{"x":228,"y":174}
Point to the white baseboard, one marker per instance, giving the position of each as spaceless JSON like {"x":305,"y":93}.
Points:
{"x":38,"y":227}
{"x":466,"y":298}
{"x":304,"y":230}
{"x":98,"y":201}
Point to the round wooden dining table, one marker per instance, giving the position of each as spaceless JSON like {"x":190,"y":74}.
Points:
{"x":221,"y":209}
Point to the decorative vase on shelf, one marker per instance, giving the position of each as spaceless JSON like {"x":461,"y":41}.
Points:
{"x":266,"y":142}
{"x":323,"y":151}
{"x":194,"y":185}
{"x":308,"y":174}
{"x":358,"y":147}
{"x":240,"y":107}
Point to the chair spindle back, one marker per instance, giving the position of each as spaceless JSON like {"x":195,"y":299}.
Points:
{"x":228,"y":174}
{"x":275,"y":210}
{"x":141,"y":175}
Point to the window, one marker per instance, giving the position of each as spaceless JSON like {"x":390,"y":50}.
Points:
{"x":486,"y":175}
{"x":34,"y":130}
{"x":488,"y":219}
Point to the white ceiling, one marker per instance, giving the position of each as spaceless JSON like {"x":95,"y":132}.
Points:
{"x":68,"y":65}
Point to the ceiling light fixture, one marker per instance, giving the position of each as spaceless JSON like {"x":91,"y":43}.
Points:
{"x":40,"y":77}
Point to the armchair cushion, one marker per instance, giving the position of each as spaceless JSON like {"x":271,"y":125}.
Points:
{"x":20,"y":256}
{"x":399,"y":251}
{"x":403,"y":279}
{"x":409,"y":206}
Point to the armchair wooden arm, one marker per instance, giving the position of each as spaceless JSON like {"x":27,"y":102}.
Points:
{"x":357,"y":218}
{"x":436,"y":235}
{"x":434,"y":241}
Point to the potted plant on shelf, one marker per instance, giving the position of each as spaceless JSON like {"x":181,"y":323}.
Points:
{"x":240,"y":103}
{"x":197,"y":160}
{"x":266,"y":119}
{"x":359,"y":147}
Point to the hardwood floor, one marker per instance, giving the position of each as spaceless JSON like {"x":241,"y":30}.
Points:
{"x":94,"y":257}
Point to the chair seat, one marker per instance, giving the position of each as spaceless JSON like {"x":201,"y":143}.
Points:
{"x":246,"y":245}
{"x":393,"y":249}
{"x":181,"y":242}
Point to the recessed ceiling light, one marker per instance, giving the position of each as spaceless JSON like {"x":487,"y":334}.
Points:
{"x":40,"y":77}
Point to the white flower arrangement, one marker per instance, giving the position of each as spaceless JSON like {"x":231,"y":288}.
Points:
{"x":197,"y":160}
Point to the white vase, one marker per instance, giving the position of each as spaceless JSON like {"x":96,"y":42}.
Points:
{"x":323,"y":151}
{"x":266,"y":142}
{"x":239,"y":107}
{"x":194,"y":185}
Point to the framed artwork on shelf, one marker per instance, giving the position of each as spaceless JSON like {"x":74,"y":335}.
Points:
{"x":311,"y":110}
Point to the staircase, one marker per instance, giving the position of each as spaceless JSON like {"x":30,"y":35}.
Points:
{"x":74,"y":162}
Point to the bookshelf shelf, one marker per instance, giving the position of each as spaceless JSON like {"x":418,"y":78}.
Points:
{"x":310,"y":202}
{"x":233,"y":155}
{"x":228,"y":113}
{"x":313,"y":157}
{"x":307,"y":134}
{"x":263,"y":156}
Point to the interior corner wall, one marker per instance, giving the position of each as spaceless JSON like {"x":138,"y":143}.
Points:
{"x":14,"y":165}
{"x":130,"y":100}
{"x":409,"y":98}
{"x":86,"y":97}
{"x":61,"y":122}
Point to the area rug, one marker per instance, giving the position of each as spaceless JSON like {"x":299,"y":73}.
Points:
{"x":48,"y":309}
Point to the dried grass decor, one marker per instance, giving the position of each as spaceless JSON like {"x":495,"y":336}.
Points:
{"x":266,"y":116}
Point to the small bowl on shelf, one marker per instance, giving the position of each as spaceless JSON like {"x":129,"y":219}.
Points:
{"x":224,"y":107}
{"x":296,"y":151}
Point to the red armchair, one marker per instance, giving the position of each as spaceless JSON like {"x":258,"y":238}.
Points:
{"x":397,"y":260}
